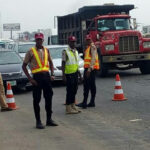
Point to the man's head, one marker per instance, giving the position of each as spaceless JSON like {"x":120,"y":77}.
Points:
{"x":39,"y":38}
{"x":88,"y":39}
{"x":71,"y":41}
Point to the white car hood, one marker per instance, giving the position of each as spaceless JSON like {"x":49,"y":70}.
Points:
{"x":57,"y":62}
{"x":22,"y":55}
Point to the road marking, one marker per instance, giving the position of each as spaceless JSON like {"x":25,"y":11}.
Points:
{"x":135,"y":120}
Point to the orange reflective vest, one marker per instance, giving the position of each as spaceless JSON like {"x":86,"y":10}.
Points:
{"x":87,"y":59}
{"x":42,"y":66}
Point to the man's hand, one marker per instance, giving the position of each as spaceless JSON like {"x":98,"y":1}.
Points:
{"x":52,"y":78}
{"x":33,"y":82}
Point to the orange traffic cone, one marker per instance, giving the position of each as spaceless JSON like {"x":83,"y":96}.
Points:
{"x":118,"y":96}
{"x":10,"y":97}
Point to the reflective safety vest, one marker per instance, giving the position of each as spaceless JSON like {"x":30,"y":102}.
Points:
{"x":87,"y":59}
{"x":71,"y":65}
{"x":42,"y":66}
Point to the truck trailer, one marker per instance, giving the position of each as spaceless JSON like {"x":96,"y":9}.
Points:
{"x":119,"y":45}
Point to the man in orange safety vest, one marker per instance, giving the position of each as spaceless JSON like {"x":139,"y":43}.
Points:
{"x":91,"y":64}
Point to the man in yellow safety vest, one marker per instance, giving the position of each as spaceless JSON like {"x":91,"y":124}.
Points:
{"x":91,"y":64}
{"x":70,"y":65}
{"x":40,"y":63}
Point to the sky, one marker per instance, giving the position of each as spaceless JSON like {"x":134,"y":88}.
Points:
{"x":39,"y":14}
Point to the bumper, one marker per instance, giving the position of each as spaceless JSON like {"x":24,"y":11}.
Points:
{"x":126,"y":58}
{"x":19,"y":83}
{"x":58,"y":74}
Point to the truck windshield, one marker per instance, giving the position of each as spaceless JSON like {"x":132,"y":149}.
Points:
{"x":113,"y":24}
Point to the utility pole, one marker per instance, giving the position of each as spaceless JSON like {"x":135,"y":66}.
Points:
{"x":10,"y":33}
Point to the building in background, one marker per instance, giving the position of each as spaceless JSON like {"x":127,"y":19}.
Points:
{"x":50,"y":36}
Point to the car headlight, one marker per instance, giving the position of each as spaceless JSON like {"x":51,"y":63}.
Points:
{"x":109,"y":47}
{"x":146,"y":44}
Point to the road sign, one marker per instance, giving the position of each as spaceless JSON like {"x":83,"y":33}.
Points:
{"x":11,"y":27}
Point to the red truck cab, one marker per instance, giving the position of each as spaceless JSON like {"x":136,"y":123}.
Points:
{"x":119,"y":46}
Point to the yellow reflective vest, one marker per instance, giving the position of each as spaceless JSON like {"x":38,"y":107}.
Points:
{"x":71,"y":65}
{"x":42,"y":66}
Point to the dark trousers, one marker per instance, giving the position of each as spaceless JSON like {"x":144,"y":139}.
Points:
{"x":44,"y":83}
{"x":89,"y":85}
{"x":72,"y":87}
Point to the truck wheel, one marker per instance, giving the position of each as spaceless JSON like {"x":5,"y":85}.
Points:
{"x":103,"y":71}
{"x":145,"y":67}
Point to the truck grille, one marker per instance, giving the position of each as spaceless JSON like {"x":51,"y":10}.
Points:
{"x":128,"y":44}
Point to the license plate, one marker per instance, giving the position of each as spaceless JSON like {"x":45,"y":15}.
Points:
{"x":13,"y":83}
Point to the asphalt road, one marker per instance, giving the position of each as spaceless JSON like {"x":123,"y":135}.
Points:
{"x":123,"y":125}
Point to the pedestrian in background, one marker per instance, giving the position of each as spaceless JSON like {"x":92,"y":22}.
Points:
{"x":91,"y":64}
{"x":4,"y":106}
{"x":40,"y":63}
{"x":70,"y":66}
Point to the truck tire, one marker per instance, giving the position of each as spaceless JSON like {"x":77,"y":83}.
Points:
{"x":145,"y":67}
{"x":103,"y":71}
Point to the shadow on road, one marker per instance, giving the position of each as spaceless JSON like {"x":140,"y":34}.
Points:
{"x":124,"y":73}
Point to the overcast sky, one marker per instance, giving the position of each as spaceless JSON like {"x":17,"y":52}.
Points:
{"x":39,"y":14}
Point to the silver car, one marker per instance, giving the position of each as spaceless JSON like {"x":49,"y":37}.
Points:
{"x":56,"y":54}
{"x":23,"y":47}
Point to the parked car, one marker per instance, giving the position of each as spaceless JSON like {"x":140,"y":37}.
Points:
{"x":56,"y":54}
{"x":7,"y":44}
{"x":23,"y":47}
{"x":11,"y":69}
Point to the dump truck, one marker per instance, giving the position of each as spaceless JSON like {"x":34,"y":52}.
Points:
{"x":119,"y":44}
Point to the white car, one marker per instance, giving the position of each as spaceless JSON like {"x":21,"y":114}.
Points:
{"x":7,"y":44}
{"x":23,"y":47}
{"x":56,"y":54}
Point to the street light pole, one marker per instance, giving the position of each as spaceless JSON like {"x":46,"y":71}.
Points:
{"x":10,"y":33}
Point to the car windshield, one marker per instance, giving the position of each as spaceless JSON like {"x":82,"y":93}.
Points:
{"x":8,"y":57}
{"x":56,"y":52}
{"x":113,"y":24}
{"x":24,"y":47}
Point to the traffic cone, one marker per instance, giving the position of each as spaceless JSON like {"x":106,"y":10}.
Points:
{"x":118,"y":95}
{"x":10,"y":97}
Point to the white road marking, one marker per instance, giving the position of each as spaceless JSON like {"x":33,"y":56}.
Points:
{"x":135,"y":120}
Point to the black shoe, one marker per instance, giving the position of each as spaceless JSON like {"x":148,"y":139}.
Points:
{"x":39,"y":125}
{"x":6,"y":109}
{"x":91,"y":105}
{"x":82,"y":105}
{"x":51,"y":123}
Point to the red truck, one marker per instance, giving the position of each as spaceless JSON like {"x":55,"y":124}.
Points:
{"x":119,"y":45}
